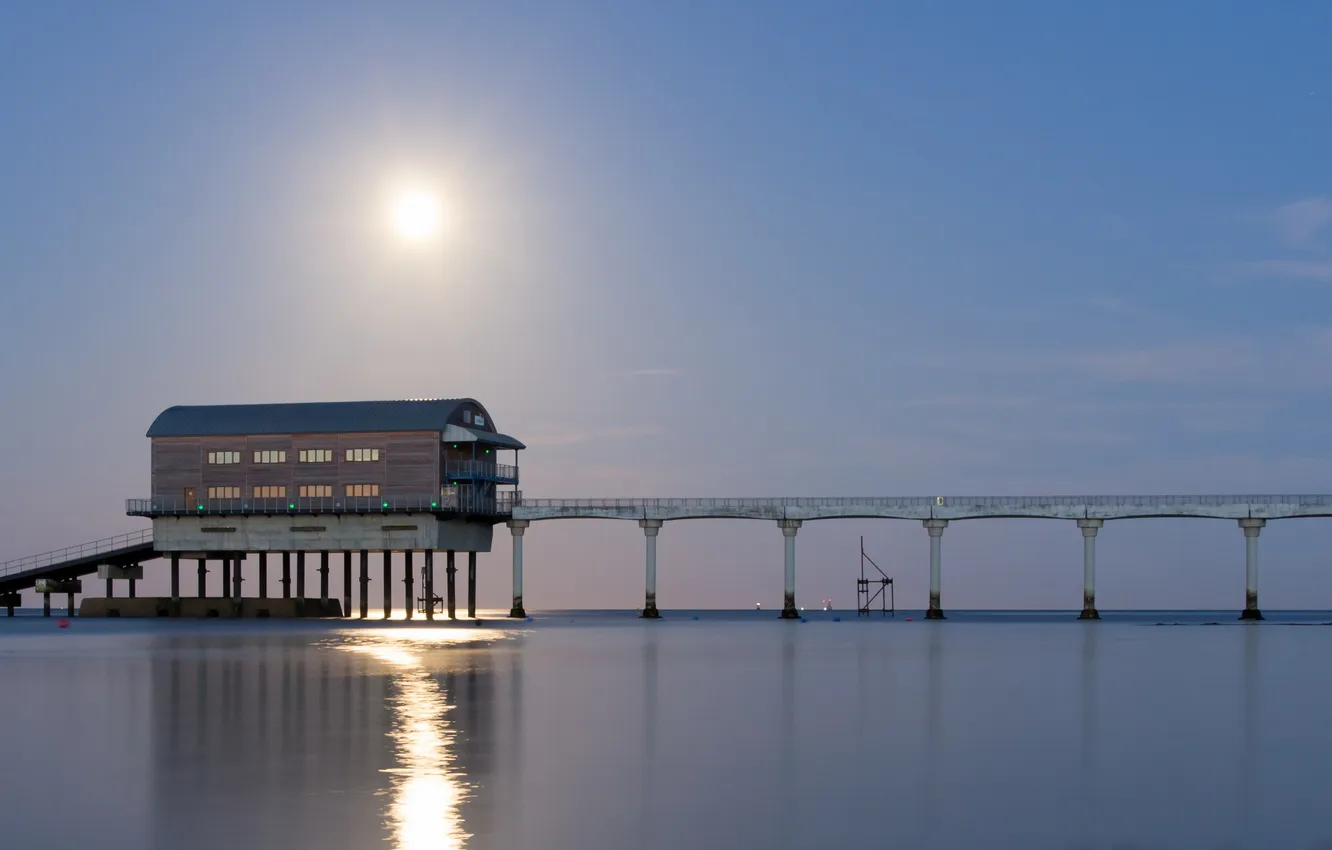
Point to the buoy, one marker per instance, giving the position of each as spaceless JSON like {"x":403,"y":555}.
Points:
{"x":908,"y":619}
{"x":63,"y":623}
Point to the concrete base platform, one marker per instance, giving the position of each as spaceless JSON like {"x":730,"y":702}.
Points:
{"x":162,"y":606}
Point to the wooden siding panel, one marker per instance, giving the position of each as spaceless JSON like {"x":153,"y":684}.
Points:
{"x":411,"y":464}
{"x":176,"y":465}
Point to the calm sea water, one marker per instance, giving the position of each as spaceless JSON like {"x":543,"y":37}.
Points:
{"x":582,"y":730}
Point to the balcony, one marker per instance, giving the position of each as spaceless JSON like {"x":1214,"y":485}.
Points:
{"x":480,"y":470}
{"x":466,"y":503}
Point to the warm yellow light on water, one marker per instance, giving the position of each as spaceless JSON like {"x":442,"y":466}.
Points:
{"x":417,"y":215}
{"x":423,"y":811}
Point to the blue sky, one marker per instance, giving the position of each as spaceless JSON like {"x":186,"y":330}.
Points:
{"x":698,"y":249}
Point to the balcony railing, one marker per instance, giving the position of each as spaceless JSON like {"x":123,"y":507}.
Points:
{"x":500,"y":504}
{"x":485,"y":470}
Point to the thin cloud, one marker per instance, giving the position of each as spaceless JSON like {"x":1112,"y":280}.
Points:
{"x":654,"y":373}
{"x":1296,"y":269}
{"x":570,"y":438}
{"x":1300,"y":221}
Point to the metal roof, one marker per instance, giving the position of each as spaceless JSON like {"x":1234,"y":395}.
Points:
{"x":326,"y":417}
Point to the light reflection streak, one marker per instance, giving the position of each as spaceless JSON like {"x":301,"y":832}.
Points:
{"x":428,"y":790}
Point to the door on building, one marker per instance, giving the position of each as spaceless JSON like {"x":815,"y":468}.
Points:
{"x":190,"y":496}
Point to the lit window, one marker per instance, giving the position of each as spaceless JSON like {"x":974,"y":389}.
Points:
{"x":479,"y":420}
{"x":362,"y":455}
{"x":316,"y":491}
{"x":362,"y":489}
{"x":316,"y":455}
{"x":270,"y":457}
{"x":224,"y":492}
{"x":269,"y":492}
{"x":223,"y":457}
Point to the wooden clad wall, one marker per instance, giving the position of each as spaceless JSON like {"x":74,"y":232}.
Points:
{"x":409,"y":463}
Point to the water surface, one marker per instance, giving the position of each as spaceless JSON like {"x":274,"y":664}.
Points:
{"x":581,"y":730}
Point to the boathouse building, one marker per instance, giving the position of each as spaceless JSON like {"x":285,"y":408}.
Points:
{"x":368,"y":475}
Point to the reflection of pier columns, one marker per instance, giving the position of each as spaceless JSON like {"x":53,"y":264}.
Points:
{"x":1251,"y":529}
{"x":935,"y":527}
{"x":1089,"y":528}
{"x":1089,"y":732}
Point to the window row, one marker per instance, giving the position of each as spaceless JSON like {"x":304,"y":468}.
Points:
{"x":362,"y":489}
{"x":306,"y":491}
{"x":306,"y":456}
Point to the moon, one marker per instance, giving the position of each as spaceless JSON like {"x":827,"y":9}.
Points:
{"x":416,"y":215}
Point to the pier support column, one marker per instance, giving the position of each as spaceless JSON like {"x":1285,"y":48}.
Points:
{"x":365,"y":584}
{"x":408,"y":592}
{"x":789,"y":528}
{"x":451,"y":589}
{"x":226,"y":576}
{"x":935,"y":527}
{"x":346,"y":584}
{"x":110,"y":589}
{"x":517,"y":527}
{"x":203,"y":574}
{"x":323,"y":579}
{"x":286,"y":575}
{"x":236,"y":576}
{"x":69,"y":604}
{"x":132,"y":589}
{"x":263,"y":575}
{"x":651,"y":528}
{"x":428,"y":583}
{"x":300,"y":575}
{"x":46,"y":604}
{"x":175,"y":578}
{"x":471,"y":585}
{"x":1089,"y":528}
{"x":388,"y":584}
{"x":1251,"y":529}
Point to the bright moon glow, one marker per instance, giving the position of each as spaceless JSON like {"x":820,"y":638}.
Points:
{"x":416,"y":216}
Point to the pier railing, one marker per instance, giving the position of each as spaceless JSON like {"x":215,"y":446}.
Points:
{"x":500,"y":504}
{"x":104,"y":546}
{"x":925,"y":501}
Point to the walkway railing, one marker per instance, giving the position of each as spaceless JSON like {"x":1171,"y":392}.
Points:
{"x":84,"y":550}
{"x":469,"y":503}
{"x":922,"y":501}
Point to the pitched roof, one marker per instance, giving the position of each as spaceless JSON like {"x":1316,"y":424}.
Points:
{"x":323,"y":418}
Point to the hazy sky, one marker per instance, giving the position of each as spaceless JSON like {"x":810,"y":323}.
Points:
{"x":699,"y":249}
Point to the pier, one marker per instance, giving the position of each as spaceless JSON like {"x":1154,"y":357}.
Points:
{"x":121,"y":558}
